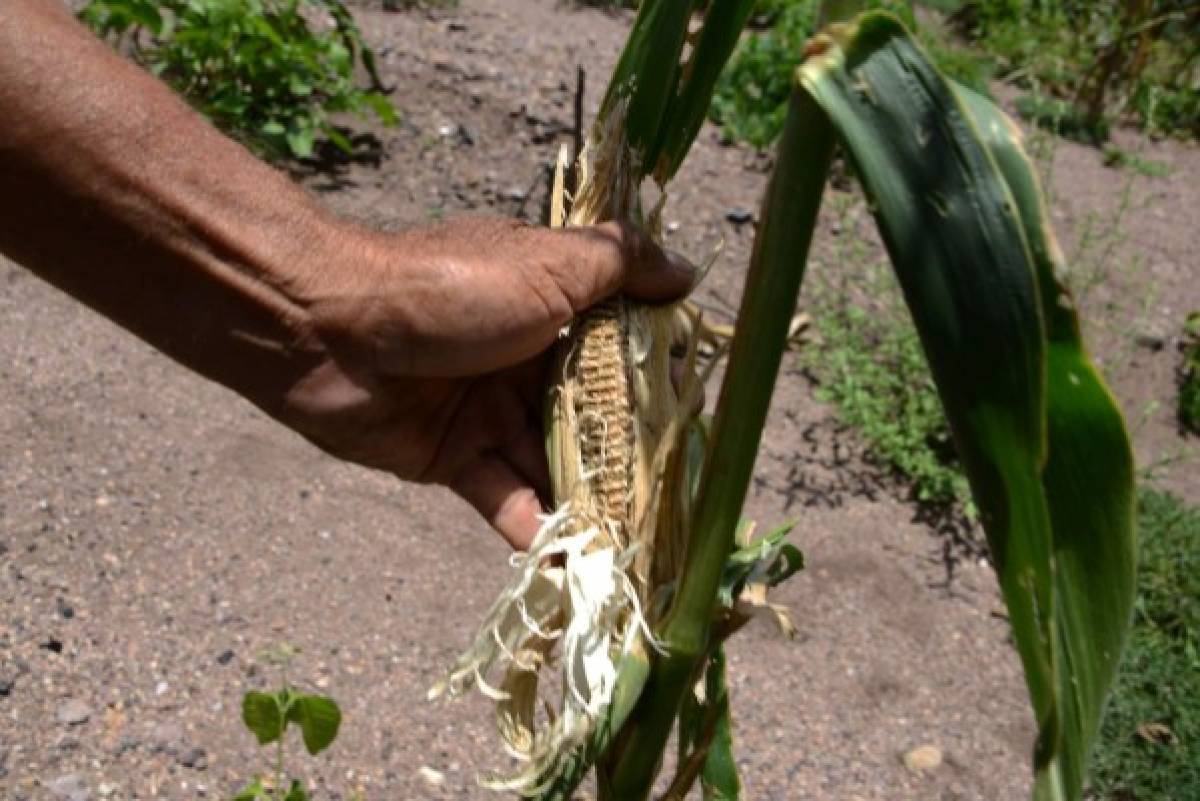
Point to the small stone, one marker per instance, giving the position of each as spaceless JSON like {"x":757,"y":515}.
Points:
{"x":69,"y":787}
{"x":1152,"y":342}
{"x":53,"y":645}
{"x":514,"y":193}
{"x":167,"y":737}
{"x":65,"y":609}
{"x":739,"y":216}
{"x":161,"y":688}
{"x":6,"y":685}
{"x":434,"y":778}
{"x":225,"y":657}
{"x":194,"y":758}
{"x":128,"y":743}
{"x":73,"y":712}
{"x":105,"y":789}
{"x":923,"y":758}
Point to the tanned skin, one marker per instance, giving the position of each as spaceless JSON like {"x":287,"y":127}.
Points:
{"x":421,"y":353}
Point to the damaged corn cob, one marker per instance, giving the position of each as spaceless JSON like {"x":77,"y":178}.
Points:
{"x":584,"y":595}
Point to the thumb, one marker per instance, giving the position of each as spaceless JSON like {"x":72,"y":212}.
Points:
{"x":617,"y":256}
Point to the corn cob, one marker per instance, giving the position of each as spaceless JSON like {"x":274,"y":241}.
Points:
{"x":613,"y":422}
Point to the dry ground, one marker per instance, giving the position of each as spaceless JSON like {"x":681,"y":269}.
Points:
{"x":156,"y":533}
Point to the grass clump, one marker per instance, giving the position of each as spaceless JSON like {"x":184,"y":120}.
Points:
{"x":750,"y":101}
{"x":1085,"y":63}
{"x":1149,"y":747}
{"x":1189,"y":388}
{"x":269,"y":72}
{"x":868,"y":363}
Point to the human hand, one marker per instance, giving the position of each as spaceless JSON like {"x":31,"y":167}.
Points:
{"x":437,"y":350}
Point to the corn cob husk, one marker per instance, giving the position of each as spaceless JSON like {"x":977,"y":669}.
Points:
{"x":587,"y":591}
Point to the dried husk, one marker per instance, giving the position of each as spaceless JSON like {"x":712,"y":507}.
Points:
{"x":589,"y":587}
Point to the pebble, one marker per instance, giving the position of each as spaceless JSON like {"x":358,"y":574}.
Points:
{"x":167,"y":737}
{"x":1153,"y":342}
{"x":127,"y":744}
{"x":69,"y":787}
{"x":225,"y":657}
{"x":923,"y":758}
{"x":434,"y":778}
{"x":65,"y":609}
{"x":739,"y":216}
{"x":194,"y":758}
{"x":73,"y":712}
{"x":6,"y":685}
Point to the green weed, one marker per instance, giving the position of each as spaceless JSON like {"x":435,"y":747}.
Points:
{"x":1117,"y":157}
{"x":1148,"y":748}
{"x":268,"y":715}
{"x":1189,"y":388}
{"x":1063,"y":117}
{"x":1082,"y":63}
{"x":1087,"y":62}
{"x":259,"y":69}
{"x":869,"y":364}
{"x":751,"y":97}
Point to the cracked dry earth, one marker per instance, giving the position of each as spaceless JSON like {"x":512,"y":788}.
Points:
{"x":157,"y":533}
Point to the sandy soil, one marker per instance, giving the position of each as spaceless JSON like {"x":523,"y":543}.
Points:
{"x":157,"y":533}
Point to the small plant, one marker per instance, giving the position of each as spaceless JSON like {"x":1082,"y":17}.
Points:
{"x":1064,"y":118}
{"x":1189,"y":388}
{"x":869,"y":365}
{"x":1087,"y":62}
{"x":268,"y":715}
{"x":750,"y":101}
{"x":269,"y":72}
{"x":1148,"y":746}
{"x":1118,"y":158}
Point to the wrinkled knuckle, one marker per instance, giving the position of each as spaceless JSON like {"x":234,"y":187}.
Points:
{"x":552,"y":290}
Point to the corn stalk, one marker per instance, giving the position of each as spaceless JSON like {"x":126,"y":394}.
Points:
{"x":643,"y":570}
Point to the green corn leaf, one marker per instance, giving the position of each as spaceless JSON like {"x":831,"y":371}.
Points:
{"x":1094,"y":545}
{"x":648,"y":71}
{"x":768,"y":559}
{"x":1040,"y":436}
{"x":719,"y":777}
{"x":706,"y":739}
{"x":723,"y":23}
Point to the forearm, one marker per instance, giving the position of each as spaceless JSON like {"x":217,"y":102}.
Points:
{"x":120,"y":194}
